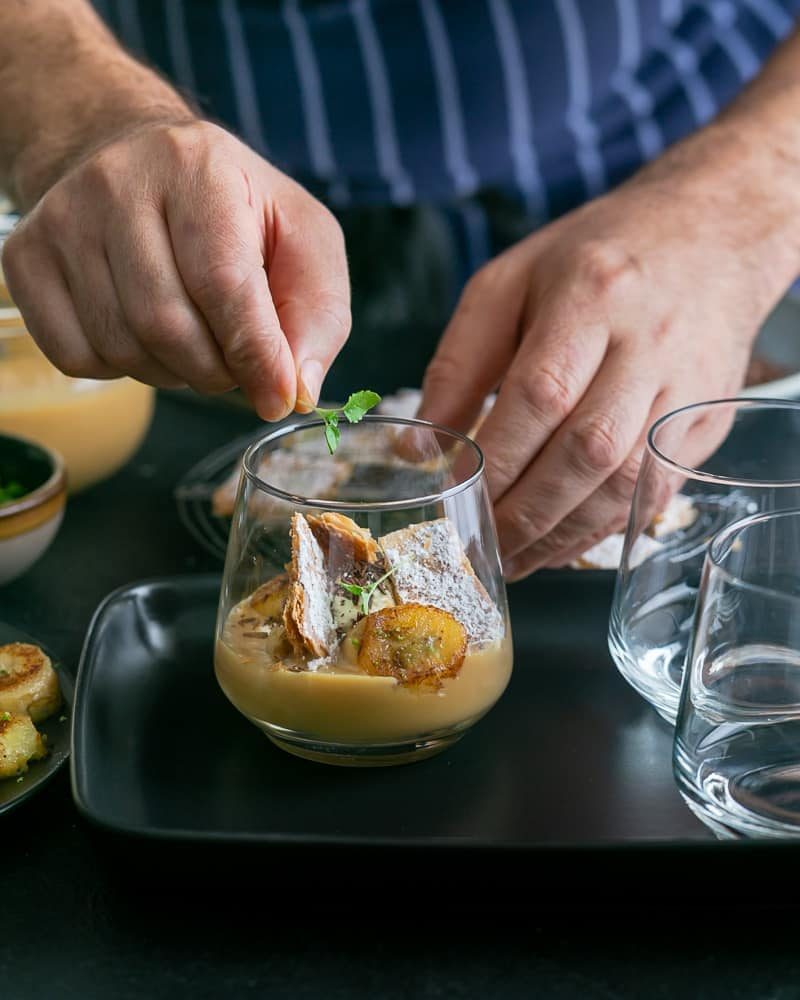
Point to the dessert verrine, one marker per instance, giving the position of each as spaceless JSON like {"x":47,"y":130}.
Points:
{"x":366,"y":642}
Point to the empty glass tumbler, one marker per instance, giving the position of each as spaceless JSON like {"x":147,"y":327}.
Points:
{"x":728,"y":459}
{"x":737,"y":737}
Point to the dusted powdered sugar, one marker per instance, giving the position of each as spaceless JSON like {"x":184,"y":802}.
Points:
{"x":313,"y":578}
{"x":431,"y":567}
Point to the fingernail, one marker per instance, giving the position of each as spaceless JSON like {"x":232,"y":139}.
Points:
{"x":277,"y":407}
{"x":309,"y":383}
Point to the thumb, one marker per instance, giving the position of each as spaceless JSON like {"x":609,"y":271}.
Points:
{"x":311,"y":290}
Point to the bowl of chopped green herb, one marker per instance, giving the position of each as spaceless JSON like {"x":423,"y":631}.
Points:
{"x":33,"y":490}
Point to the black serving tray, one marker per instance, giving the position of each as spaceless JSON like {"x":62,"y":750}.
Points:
{"x":570,"y":757}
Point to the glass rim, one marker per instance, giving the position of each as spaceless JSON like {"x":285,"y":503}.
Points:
{"x":741,"y":402}
{"x":735,"y":527}
{"x":342,"y":506}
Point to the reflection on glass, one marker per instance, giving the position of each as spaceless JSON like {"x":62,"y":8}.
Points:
{"x":737,"y":738}
{"x":728,"y":458}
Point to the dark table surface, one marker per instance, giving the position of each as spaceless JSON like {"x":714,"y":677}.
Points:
{"x":82,"y":916}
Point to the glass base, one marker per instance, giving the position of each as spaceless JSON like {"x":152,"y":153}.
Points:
{"x":656,"y":682}
{"x":762,"y":804}
{"x":349,"y":755}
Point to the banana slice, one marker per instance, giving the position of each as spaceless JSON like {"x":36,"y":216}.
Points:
{"x":260,"y":618}
{"x":28,"y":683}
{"x":19,"y":744}
{"x":415,"y":643}
{"x":270,"y":599}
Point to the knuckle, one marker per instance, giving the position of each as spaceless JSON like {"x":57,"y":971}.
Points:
{"x":185,"y":144}
{"x":522,"y":523}
{"x":605,"y":265}
{"x":162,"y":324}
{"x":245,"y":352}
{"x":102,"y":174}
{"x":336,"y":310}
{"x":54,"y":213}
{"x":544,"y":392}
{"x":596,"y":444}
{"x":12,"y":259}
{"x":221,"y":281}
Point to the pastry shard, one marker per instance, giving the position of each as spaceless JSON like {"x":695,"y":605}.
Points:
{"x":342,"y":535}
{"x":307,"y":616}
{"x":431,"y":567}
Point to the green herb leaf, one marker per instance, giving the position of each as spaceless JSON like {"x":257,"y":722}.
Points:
{"x":11,"y":491}
{"x":352,"y":588}
{"x":360,"y":403}
{"x":20,"y":779}
{"x":353,"y":411}
{"x":5,"y":716}
{"x":332,"y":435}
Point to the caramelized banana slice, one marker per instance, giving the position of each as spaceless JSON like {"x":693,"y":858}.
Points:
{"x":415,"y":643}
{"x":270,"y":599}
{"x":19,"y":743}
{"x":28,"y":682}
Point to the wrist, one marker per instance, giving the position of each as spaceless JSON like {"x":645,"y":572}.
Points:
{"x":37,"y":166}
{"x":740,"y":185}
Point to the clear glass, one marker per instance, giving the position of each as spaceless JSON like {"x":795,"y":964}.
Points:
{"x":737,"y":738}
{"x":752,"y":466}
{"x":363,"y":616}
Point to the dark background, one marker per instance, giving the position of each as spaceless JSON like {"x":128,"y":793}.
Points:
{"x":85,"y":914}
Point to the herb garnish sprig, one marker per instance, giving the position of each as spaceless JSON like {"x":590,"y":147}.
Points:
{"x":364,"y":594}
{"x":353,"y":410}
{"x":11,"y":491}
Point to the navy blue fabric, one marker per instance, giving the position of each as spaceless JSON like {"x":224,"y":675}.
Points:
{"x":543,"y":103}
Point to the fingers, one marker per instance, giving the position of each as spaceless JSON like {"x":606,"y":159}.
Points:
{"x":591,"y":445}
{"x":99,"y":313}
{"x":311,"y":290}
{"x":546,"y":382}
{"x":476,"y":349}
{"x":40,"y":291}
{"x":606,"y":511}
{"x":156,"y":307}
{"x":219,"y":253}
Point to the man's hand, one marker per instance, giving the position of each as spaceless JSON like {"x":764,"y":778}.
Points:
{"x":178,"y":256}
{"x":633,"y":305}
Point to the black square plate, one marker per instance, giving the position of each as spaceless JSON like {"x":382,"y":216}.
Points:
{"x":569,"y":758}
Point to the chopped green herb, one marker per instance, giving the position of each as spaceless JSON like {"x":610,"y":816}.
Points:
{"x":353,"y":410}
{"x":11,"y":491}
{"x":356,"y":641}
{"x":20,"y":779}
{"x":364,"y":594}
{"x":62,"y":718}
{"x":5,"y":716}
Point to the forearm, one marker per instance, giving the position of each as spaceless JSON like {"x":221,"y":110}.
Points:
{"x":743,"y":171}
{"x":66,"y":87}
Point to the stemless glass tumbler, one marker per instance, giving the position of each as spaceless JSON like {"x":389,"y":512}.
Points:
{"x":729,"y":458}
{"x":737,"y":738}
{"x":363,"y":615}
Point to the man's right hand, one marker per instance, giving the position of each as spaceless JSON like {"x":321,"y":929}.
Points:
{"x":177,"y":255}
